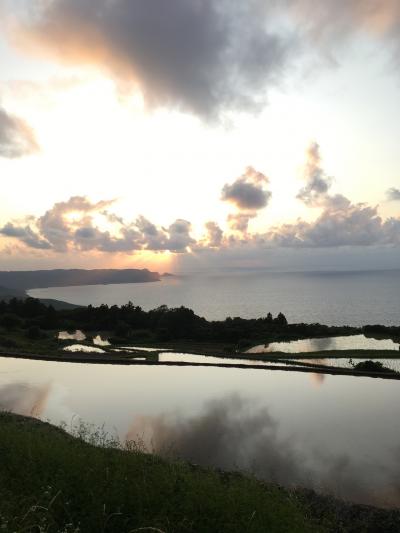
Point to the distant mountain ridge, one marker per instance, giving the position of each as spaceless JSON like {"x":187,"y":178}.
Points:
{"x":39,"y":279}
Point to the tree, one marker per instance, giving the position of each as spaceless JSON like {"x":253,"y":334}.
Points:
{"x":281,"y":320}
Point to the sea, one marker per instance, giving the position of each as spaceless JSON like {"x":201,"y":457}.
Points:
{"x":334,"y":298}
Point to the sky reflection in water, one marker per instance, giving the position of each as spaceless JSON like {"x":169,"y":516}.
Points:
{"x":351,"y":342}
{"x":336,"y":433}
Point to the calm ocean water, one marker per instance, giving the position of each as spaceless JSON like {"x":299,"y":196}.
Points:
{"x":334,"y":298}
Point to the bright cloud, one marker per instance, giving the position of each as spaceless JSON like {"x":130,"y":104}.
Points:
{"x":75,"y":224}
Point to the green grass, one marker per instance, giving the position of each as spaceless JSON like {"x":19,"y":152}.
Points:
{"x":52,"y":482}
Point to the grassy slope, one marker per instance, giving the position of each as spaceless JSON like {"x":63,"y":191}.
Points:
{"x":49,"y":480}
{"x":52,"y":482}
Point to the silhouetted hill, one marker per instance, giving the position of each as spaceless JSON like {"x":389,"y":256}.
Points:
{"x":59,"y":305}
{"x":35,"y":279}
{"x":6,"y":293}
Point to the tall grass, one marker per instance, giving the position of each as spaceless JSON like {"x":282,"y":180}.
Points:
{"x":51,"y":481}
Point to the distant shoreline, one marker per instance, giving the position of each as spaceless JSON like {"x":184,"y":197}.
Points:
{"x":23,"y":280}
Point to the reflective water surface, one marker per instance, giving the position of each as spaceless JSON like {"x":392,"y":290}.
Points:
{"x":339,"y":434}
{"x":345,"y":362}
{"x":333,"y":298}
{"x":208,"y":359}
{"x":77,"y":336}
{"x":351,"y":342}
{"x":82,"y":348}
{"x":99,"y":341}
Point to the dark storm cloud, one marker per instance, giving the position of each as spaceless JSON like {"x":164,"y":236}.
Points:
{"x":16,"y":137}
{"x":247,"y":192}
{"x":393,"y":194}
{"x":201,"y":56}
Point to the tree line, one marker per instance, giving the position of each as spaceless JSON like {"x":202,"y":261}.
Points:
{"x":161,"y":324}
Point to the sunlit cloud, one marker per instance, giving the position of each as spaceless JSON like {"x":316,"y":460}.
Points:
{"x":71,"y":225}
{"x":80,"y":225}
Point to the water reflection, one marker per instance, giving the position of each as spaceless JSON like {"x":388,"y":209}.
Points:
{"x":318,"y":379}
{"x":233,"y":434}
{"x":209,"y":359}
{"x":82,"y":348}
{"x":98,"y":341}
{"x":142,"y":349}
{"x":351,"y":342}
{"x":345,"y":362}
{"x":342,"y":437}
{"x":24,"y":398}
{"x":77,"y":336}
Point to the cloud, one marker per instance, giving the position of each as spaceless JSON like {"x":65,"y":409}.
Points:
{"x":214,"y":235}
{"x":240,"y":221}
{"x":81,"y":225}
{"x":203,"y":56}
{"x":176,"y":238}
{"x":329,"y":20}
{"x":248,"y":194}
{"x":248,"y":191}
{"x":55,"y":227}
{"x":74,"y":225}
{"x":393,"y":194}
{"x":26,"y":235}
{"x":353,"y":225}
{"x":179,"y":236}
{"x":16,"y":137}
{"x":317,"y":182}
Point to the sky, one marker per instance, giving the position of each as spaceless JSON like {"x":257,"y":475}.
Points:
{"x":196,"y":134}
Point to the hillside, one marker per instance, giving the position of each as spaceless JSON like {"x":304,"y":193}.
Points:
{"x":35,"y":279}
{"x":54,"y":482}
{"x":6,"y":293}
